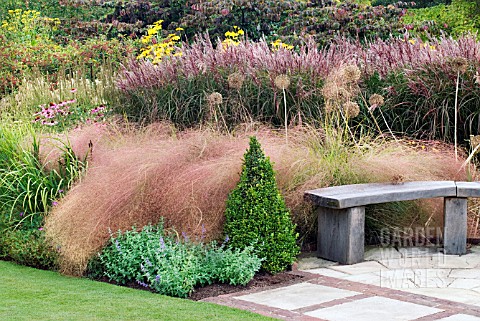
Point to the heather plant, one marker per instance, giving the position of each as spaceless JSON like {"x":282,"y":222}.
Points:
{"x":256,"y":214}
{"x":168,"y":265}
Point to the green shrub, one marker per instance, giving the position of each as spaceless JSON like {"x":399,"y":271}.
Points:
{"x":455,"y":19}
{"x":171,"y":266}
{"x":28,"y":247}
{"x":288,"y":19}
{"x":256,"y":214}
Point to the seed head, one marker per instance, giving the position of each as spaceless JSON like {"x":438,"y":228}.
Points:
{"x":235,"y":80}
{"x":350,"y":74}
{"x":282,"y":81}
{"x":474,"y":140}
{"x":215,"y":98}
{"x":351,"y":109}
{"x":343,"y":94}
{"x":331,"y":91}
{"x":375,"y":101}
{"x":459,"y":64}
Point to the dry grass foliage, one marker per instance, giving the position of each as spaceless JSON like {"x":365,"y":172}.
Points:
{"x":137,"y":176}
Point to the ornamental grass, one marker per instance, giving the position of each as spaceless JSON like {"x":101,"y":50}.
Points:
{"x":136,"y":177}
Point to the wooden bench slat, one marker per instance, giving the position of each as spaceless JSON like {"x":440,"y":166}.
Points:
{"x":468,"y":189}
{"x":364,"y":194}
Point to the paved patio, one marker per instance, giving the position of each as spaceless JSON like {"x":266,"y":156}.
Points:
{"x":405,"y":284}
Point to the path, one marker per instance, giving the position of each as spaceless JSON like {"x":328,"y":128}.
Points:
{"x":408,"y":284}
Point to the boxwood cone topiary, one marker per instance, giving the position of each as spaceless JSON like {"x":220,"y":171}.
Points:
{"x":256,"y":213}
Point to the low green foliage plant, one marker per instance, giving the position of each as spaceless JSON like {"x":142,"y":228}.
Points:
{"x":170,"y":265}
{"x":28,"y":247}
{"x":256,"y":214}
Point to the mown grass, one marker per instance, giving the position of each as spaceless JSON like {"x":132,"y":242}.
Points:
{"x":31,"y":294}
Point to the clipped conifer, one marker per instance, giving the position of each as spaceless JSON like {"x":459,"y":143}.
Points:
{"x":256,"y":213}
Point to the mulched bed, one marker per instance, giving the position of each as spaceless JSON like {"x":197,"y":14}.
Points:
{"x":260,"y":280}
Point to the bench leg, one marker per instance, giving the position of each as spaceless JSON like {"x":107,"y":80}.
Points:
{"x":455,"y":226}
{"x":341,"y":234}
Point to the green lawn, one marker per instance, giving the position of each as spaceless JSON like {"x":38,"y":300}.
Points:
{"x":31,"y":294}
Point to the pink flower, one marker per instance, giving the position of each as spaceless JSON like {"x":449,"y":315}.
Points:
{"x":40,"y":229}
{"x":73,"y":90}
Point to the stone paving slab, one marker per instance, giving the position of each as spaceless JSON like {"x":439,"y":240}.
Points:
{"x":297,"y":296}
{"x":429,"y":287}
{"x":360,"y":268}
{"x":452,"y":294}
{"x":467,"y":284}
{"x":447,"y":308}
{"x":460,"y":317}
{"x":369,"y":310}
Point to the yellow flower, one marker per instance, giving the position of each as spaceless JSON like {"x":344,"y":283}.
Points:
{"x":151,"y":32}
{"x":179,"y":29}
{"x":412,"y":41}
{"x":146,"y":39}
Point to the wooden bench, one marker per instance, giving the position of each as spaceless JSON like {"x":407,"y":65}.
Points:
{"x":341,"y":214}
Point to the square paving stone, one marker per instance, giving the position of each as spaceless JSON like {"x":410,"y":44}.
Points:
{"x":381,"y":253}
{"x":373,"y":309}
{"x":421,"y":278}
{"x":328,"y":272}
{"x":431,"y":262}
{"x":360,"y":268}
{"x":452,"y":294}
{"x":465,"y":273}
{"x":297,"y":296}
{"x":460,"y":317}
{"x":465,"y":283}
